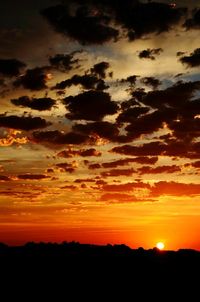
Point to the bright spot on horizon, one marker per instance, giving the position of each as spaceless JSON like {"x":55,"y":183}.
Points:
{"x":160,"y":245}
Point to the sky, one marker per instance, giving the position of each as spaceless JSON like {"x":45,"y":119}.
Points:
{"x":100,"y":122}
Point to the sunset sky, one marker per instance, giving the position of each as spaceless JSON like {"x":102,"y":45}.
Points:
{"x":100,"y":122}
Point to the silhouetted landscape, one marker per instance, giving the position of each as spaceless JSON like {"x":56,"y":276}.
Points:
{"x":74,"y":265}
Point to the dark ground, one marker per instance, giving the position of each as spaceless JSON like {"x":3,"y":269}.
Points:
{"x":70,"y":270}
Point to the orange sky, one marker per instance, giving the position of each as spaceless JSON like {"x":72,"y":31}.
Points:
{"x":99,"y":134}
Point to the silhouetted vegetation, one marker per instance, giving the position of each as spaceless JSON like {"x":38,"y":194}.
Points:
{"x":84,"y":268}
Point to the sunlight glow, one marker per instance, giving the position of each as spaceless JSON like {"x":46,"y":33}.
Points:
{"x":160,"y":245}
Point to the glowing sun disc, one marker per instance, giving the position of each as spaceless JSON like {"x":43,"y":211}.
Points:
{"x":160,"y":245}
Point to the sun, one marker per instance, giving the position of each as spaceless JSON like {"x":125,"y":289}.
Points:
{"x":160,"y":245}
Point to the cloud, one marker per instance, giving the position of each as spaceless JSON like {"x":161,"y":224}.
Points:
{"x":82,"y":152}
{"x":69,"y":187}
{"x":100,"y":69}
{"x":82,"y":26}
{"x":196,"y":164}
{"x":149,"y":149}
{"x":149,"y":123}
{"x":118,"y":172}
{"x":11,"y":67}
{"x":32,"y":176}
{"x":150,"y":53}
{"x":173,"y":107}
{"x":79,"y":181}
{"x":175,"y":96}
{"x":125,"y":187}
{"x":131,"y":114}
{"x":92,"y":23}
{"x":94,"y":166}
{"x":175,"y":189}
{"x":104,"y":130}
{"x":173,"y":148}
{"x":56,"y":137}
{"x":118,"y":197}
{"x":157,"y":189}
{"x":141,"y":19}
{"x":158,"y":170}
{"x":13,"y":137}
{"x":34,"y":79}
{"x":194,"y":22}
{"x":87,"y":81}
{"x":193,"y":60}
{"x":91,"y":105}
{"x":64,"y":62}
{"x":67,"y":167}
{"x":23,"y":122}
{"x":5,"y":178}
{"x":39,"y":104}
{"x":124,"y":162}
{"x":151,"y":82}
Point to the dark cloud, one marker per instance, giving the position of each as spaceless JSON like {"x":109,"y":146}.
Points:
{"x":101,"y":129}
{"x":91,"y":105}
{"x":131,"y":80}
{"x":82,"y":152}
{"x":174,"y":106}
{"x":150,"y":53}
{"x":94,"y":166}
{"x":59,"y":138}
{"x":69,"y":187}
{"x":34,"y":79}
{"x":83,"y":26}
{"x":175,"y":189}
{"x":32,"y":176}
{"x":157,"y":189}
{"x":118,"y":172}
{"x":131,"y":114}
{"x":193,"y":59}
{"x":173,"y":147}
{"x":90,"y":22}
{"x":149,"y":149}
{"x":130,"y":103}
{"x":67,"y":167}
{"x":79,"y":181}
{"x":141,"y":19}
{"x":126,"y":161}
{"x":50,"y":170}
{"x":64,"y":62}
{"x":90,"y":152}
{"x":5,"y":178}
{"x":186,"y":129}
{"x":39,"y":104}
{"x":11,"y":67}
{"x":174,"y":96}
{"x":87,"y":81}
{"x":125,"y":187}
{"x":23,"y":122}
{"x":159,"y":169}
{"x":101,"y":182}
{"x":196,"y":164}
{"x":100,"y":69}
{"x":151,"y":82}
{"x":194,"y":22}
{"x":180,"y":53}
{"x":149,"y":123}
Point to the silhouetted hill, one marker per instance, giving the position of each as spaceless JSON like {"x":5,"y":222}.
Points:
{"x":83,"y":268}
